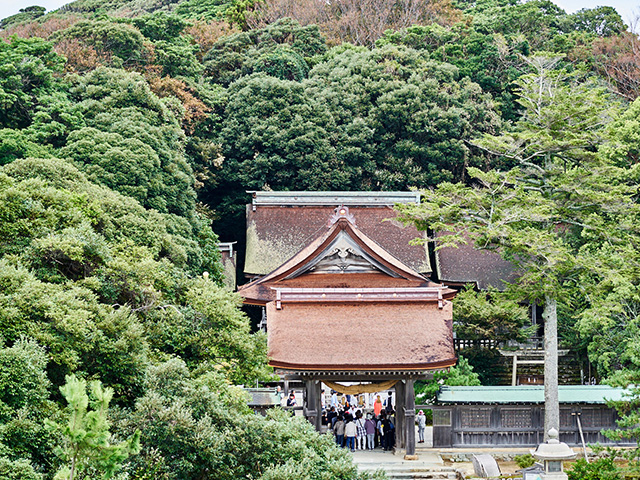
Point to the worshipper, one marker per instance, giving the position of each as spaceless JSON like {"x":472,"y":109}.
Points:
{"x":331,"y":417}
{"x":370,"y":428}
{"x":377,"y":406}
{"x":421,"y":419}
{"x":350,"y":432}
{"x":361,"y":433}
{"x":291,"y":401}
{"x":334,"y":398}
{"x":389,"y":434}
{"x":388,"y":405}
{"x":338,"y":430}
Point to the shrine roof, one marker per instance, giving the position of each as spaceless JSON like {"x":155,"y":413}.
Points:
{"x":342,"y":231}
{"x":360,"y":336}
{"x":280,"y":224}
{"x":467,"y":264}
{"x":592,"y":394}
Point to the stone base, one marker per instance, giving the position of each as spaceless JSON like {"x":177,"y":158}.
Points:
{"x":411,"y":457}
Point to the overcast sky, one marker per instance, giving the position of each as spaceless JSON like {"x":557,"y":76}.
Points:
{"x":626,"y":8}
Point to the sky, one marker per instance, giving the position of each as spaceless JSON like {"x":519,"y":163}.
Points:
{"x":626,"y":8}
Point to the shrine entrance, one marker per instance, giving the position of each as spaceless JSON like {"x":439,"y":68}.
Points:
{"x":404,"y":403}
{"x":342,"y":308}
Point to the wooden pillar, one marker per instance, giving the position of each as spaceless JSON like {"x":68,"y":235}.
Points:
{"x":400,"y":419}
{"x":410,"y":418}
{"x":312,"y":405}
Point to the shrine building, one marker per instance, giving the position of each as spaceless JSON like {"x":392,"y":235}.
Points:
{"x":346,"y":297}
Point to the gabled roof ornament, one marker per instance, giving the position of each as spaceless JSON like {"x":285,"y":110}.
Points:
{"x":341,"y":212}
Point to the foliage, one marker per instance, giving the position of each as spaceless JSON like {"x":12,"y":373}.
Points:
{"x":489,"y":315}
{"x":132,"y":142}
{"x":489,"y":59}
{"x":243,"y":53}
{"x":26,"y":74}
{"x":600,"y":21}
{"x":24,"y":405}
{"x":86,"y":435}
{"x":122,"y":43}
{"x":17,"y":470}
{"x":26,"y":14}
{"x":597,"y":469}
{"x":194,"y":424}
{"x":160,"y":26}
{"x":461,"y":374}
{"x":525,"y":461}
{"x":119,"y":254}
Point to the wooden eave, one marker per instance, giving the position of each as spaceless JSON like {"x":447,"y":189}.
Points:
{"x":362,"y":368}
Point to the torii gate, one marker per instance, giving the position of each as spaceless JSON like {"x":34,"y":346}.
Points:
{"x":343,"y":309}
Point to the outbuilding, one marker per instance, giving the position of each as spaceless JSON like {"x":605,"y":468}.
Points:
{"x":514,"y":415}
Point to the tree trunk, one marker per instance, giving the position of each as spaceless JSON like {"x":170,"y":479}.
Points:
{"x":551,"y":404}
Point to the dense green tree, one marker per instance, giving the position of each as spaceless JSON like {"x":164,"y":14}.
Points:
{"x":402,"y":113}
{"x":138,"y":128}
{"x":123,"y":44}
{"x":285,"y":42}
{"x":17,"y":470}
{"x":600,"y":21}
{"x":489,"y":59}
{"x":489,"y":315}
{"x":27,"y":73}
{"x":194,"y":426}
{"x":160,"y":26}
{"x":24,"y":405}
{"x":461,"y":374}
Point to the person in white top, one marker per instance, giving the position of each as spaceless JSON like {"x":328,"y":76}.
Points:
{"x":421,"y":420}
{"x":350,"y":432}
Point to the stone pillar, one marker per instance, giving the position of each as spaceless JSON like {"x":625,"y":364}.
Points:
{"x":400,"y":419}
{"x":410,"y":418}
{"x":312,"y":405}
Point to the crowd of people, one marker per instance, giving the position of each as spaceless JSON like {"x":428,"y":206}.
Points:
{"x":358,"y":423}
{"x":358,"y":430}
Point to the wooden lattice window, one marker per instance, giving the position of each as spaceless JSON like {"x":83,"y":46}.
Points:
{"x":566,"y":419}
{"x":597,"y":417}
{"x":516,"y":418}
{"x":477,"y":418}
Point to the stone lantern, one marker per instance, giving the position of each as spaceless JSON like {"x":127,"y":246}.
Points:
{"x":552,"y":454}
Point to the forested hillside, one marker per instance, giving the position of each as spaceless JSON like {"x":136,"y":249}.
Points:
{"x":130,"y":131}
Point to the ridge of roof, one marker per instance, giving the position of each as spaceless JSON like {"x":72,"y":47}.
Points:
{"x":307,"y":198}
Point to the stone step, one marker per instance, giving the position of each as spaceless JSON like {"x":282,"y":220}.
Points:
{"x":400,"y":474}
